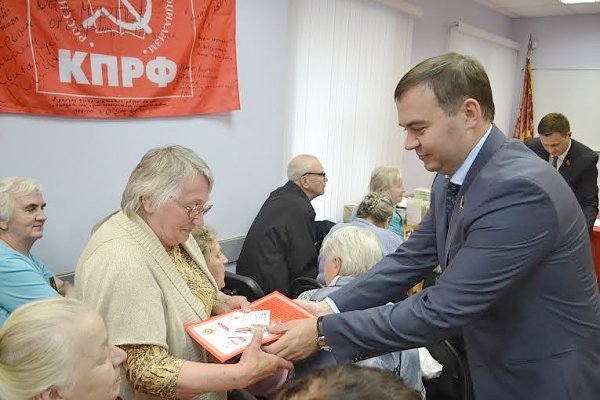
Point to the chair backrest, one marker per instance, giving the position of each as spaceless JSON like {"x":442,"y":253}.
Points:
{"x":455,"y":381}
{"x":302,"y":284}
{"x":240,"y":394}
{"x":243,"y":286}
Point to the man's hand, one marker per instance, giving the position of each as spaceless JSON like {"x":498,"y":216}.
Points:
{"x":298,"y":340}
{"x":227,"y":303}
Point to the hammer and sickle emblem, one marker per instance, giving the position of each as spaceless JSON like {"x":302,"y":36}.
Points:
{"x":140,"y":22}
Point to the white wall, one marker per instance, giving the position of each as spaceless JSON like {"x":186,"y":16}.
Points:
{"x":83,"y":165}
{"x":568,"y":43}
{"x":570,"y":46}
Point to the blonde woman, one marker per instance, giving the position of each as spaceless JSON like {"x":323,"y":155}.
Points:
{"x":388,"y":181}
{"x":57,"y":349}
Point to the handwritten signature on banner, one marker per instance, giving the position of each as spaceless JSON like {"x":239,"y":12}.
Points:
{"x":119,"y":58}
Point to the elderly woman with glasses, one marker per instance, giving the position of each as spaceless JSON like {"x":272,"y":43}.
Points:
{"x":23,"y":277}
{"x":145,"y":275}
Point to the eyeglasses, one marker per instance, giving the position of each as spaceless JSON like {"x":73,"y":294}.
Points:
{"x":193,"y":212}
{"x":321,"y":174}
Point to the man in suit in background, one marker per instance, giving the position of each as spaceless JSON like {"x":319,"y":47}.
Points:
{"x":518,"y":279}
{"x":281,"y":243}
{"x":575,"y":161}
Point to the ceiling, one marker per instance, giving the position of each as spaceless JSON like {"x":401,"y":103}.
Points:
{"x":539,"y":8}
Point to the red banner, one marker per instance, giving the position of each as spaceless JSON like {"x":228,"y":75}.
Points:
{"x":119,"y":58}
{"x":524,"y":125}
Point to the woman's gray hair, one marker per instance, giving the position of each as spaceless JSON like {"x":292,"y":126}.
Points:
{"x":383,"y":178}
{"x":11,"y":187}
{"x":377,"y":206}
{"x":38,"y":349}
{"x":358,"y":249}
{"x":159,"y":176}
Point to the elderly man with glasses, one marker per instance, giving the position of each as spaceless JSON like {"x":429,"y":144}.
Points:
{"x":281,"y":243}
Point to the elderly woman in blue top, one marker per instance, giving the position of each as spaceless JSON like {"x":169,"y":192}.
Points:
{"x":23,"y":277}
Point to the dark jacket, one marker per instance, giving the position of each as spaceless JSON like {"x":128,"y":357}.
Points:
{"x":280,"y":245}
{"x":580,"y":171}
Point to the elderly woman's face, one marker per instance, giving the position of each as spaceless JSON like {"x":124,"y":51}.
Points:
{"x":26,"y":224}
{"x":215,"y":261}
{"x":395,"y":192}
{"x":171,"y":222}
{"x":331,"y":268}
{"x":97,"y":372}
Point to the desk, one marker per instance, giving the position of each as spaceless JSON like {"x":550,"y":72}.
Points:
{"x":595,"y":238}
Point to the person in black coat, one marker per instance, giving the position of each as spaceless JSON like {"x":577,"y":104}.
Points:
{"x":281,"y":243}
{"x":575,"y":161}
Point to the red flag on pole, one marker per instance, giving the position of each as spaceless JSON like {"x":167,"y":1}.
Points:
{"x":524,"y":126}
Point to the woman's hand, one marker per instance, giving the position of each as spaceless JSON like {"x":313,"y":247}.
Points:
{"x":64,"y":288}
{"x":227,"y":303}
{"x":258,"y":365}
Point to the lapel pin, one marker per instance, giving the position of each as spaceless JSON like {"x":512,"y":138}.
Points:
{"x":462,"y":202}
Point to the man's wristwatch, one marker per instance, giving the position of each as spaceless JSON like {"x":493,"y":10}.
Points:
{"x":320,"y":340}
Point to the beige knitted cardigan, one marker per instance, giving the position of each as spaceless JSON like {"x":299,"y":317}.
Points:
{"x":126,"y":275}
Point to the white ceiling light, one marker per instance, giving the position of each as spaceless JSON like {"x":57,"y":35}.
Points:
{"x":579,"y":1}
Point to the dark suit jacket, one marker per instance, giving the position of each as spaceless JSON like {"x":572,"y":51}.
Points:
{"x":581,"y":173}
{"x":280,"y":245}
{"x":518,"y":280}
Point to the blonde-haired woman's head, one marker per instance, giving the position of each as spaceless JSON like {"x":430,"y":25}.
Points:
{"x":377,"y":208}
{"x":57,"y":348}
{"x":350,"y":251}
{"x":387,"y":180}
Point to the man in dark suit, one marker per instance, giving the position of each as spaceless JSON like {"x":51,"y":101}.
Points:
{"x":518,"y":279}
{"x":575,"y":161}
{"x":281,"y":243}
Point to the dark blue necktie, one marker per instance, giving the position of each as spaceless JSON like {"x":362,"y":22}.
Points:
{"x":451,"y":193}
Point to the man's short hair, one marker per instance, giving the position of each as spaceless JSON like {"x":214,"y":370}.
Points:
{"x":350,"y":382}
{"x":299,"y":166}
{"x":453,"y":78}
{"x":554,"y":123}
